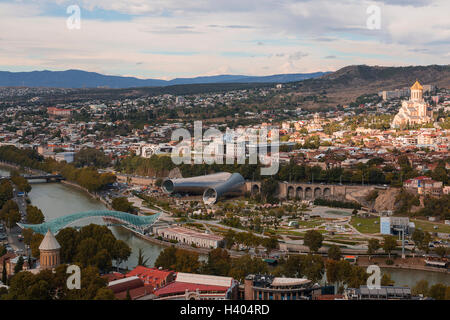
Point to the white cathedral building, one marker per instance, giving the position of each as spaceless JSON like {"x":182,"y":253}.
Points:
{"x":413,"y":111}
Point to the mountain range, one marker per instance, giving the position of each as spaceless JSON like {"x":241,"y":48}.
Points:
{"x":84,"y":79}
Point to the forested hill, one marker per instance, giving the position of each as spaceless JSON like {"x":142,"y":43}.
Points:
{"x":84,"y":79}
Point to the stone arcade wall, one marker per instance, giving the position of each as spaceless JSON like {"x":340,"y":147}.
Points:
{"x":307,"y":191}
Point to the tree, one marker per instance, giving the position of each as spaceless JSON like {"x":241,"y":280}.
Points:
{"x":186,"y":261}
{"x":421,"y":287}
{"x":69,"y":239}
{"x":91,"y":283}
{"x":142,"y":260}
{"x":6,"y":192}
{"x":27,"y":236}
{"x":3,"y":292}
{"x":342,"y":272}
{"x":167,"y":258}
{"x":437,"y":291}
{"x":105,"y":294}
{"x":122,"y":204}
{"x":425,"y":242}
{"x":245,"y":265}
{"x":390,"y":243}
{"x":10,"y":213}
{"x":4,"y":274}
{"x":35,"y":243}
{"x":386,"y":280}
{"x":268,"y":189}
{"x":441,"y":251}
{"x":34,"y":215}
{"x":219,"y":262}
{"x":334,"y":252}
{"x":91,"y":157}
{"x":313,"y":267}
{"x":418,"y":238}
{"x":21,"y":183}
{"x":313,"y":240}
{"x":270,"y":243}
{"x":19,"y":266}
{"x":230,"y":238}
{"x":122,"y":251}
{"x":373,"y":246}
{"x":92,"y":245}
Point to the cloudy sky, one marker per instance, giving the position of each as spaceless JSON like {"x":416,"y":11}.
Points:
{"x":183,"y":38}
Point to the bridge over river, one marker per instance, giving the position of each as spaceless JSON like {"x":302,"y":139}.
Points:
{"x":135,"y":222}
{"x":47,"y":177}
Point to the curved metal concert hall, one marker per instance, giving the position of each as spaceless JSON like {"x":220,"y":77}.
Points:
{"x":212,"y":186}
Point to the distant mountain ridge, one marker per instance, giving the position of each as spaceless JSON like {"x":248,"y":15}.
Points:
{"x":85,"y":79}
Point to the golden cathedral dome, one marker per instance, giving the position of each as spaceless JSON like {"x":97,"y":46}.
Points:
{"x":417,"y":86}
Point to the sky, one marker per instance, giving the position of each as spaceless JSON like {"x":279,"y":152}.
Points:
{"x":166,"y":39}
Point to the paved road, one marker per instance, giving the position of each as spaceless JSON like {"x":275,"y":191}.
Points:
{"x":15,"y":231}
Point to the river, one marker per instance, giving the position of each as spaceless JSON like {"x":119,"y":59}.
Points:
{"x":57,"y":199}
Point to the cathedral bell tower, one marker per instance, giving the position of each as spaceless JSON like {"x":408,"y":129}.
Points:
{"x":417,"y":92}
{"x":49,"y":252}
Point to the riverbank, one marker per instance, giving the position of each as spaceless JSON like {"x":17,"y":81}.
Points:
{"x":92,"y":195}
{"x":200,"y":251}
{"x":416,"y":263}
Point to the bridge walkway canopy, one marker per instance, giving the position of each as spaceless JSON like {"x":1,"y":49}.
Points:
{"x":60,"y":223}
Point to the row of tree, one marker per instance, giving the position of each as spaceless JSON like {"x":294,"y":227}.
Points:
{"x":92,"y":245}
{"x":87,"y":177}
{"x":49,"y":285}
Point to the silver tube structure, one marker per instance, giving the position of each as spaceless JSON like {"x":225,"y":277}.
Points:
{"x":232,"y":186}
{"x":212,"y":186}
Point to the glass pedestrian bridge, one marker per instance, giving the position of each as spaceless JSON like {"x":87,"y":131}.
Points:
{"x":131,"y":220}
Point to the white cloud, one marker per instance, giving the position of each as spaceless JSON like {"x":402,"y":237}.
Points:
{"x":277,"y":36}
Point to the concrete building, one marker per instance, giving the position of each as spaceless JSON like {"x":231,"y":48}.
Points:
{"x":59,"y":112}
{"x":189,"y":286}
{"x":393,"y":225}
{"x":65,"y":156}
{"x":395,"y":94}
{"x":268,"y":287}
{"x":190,"y":237}
{"x":424,"y":186}
{"x":383,"y":293}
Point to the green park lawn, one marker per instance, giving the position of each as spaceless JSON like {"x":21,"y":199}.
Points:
{"x":367,"y":224}
{"x":428,"y":226}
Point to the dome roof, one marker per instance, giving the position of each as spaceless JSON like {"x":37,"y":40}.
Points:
{"x":49,"y":242}
{"x":417,"y":86}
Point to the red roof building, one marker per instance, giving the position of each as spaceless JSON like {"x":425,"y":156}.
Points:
{"x":189,"y":286}
{"x":132,"y":286}
{"x":153,"y":277}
